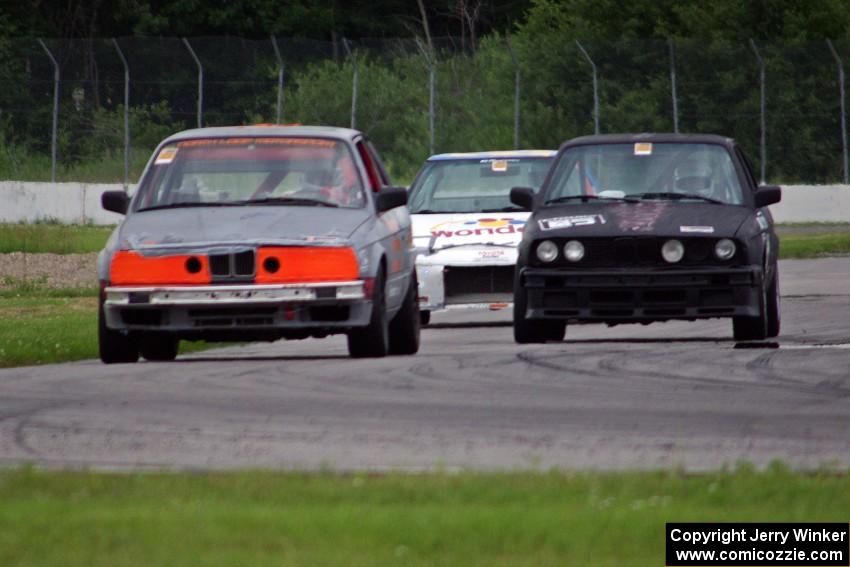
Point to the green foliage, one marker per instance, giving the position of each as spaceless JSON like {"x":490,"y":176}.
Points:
{"x":46,"y":237}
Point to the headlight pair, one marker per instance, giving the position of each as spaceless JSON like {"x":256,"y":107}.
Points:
{"x":547,"y":251}
{"x":673,"y":250}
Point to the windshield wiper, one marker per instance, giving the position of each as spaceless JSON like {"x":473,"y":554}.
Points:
{"x":679,"y":196}
{"x":428,"y":212}
{"x":289,"y":201}
{"x":503,"y":210}
{"x":589,"y":198}
{"x":187,"y":204}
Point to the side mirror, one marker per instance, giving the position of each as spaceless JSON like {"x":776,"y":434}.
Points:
{"x":390,"y":198}
{"x":115,"y":201}
{"x":523,"y":197}
{"x":767,"y":195}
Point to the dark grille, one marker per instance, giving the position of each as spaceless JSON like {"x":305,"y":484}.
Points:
{"x":233,"y":317}
{"x":220,"y":264}
{"x":478,"y":284}
{"x":237,"y":266}
{"x":243,"y":263}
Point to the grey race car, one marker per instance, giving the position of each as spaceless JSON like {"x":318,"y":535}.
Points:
{"x":259,"y":233}
{"x":636,"y":228}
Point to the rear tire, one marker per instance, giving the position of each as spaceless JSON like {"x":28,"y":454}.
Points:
{"x":159,"y":347}
{"x":752,"y":328}
{"x":404,"y":328}
{"x":114,"y":347}
{"x":534,"y":331}
{"x":372,"y":341}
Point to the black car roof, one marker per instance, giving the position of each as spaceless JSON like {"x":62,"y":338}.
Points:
{"x":650,"y":137}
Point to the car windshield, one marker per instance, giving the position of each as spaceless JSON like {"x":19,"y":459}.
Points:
{"x":239,"y":171}
{"x":474,"y":185}
{"x":669,"y":171}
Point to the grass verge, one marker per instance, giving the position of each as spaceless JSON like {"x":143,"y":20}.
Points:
{"x":52,"y":237}
{"x":264,"y":518}
{"x":47,"y":326}
{"x":800,"y":246}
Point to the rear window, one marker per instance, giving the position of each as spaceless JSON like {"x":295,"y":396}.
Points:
{"x":224,"y":171}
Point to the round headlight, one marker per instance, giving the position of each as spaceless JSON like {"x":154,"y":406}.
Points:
{"x":673,"y":250}
{"x":574,"y":250}
{"x":547,"y":251}
{"x":725,"y":248}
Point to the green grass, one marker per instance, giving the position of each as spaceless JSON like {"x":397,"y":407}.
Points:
{"x":814,"y":245}
{"x":46,"y":326}
{"x":52,"y":237}
{"x":86,"y":519}
{"x":108,"y":169}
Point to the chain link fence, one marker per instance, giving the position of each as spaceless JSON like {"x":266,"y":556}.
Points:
{"x":93,"y":109}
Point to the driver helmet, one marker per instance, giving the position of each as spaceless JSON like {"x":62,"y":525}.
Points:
{"x":694,"y":176}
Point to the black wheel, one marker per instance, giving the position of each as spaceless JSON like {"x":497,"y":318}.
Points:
{"x":372,"y":341}
{"x":528,"y":331}
{"x":404,"y":328}
{"x":774,"y":313}
{"x":752,"y":328}
{"x":424,"y":317}
{"x":114,"y":347}
{"x":159,"y":347}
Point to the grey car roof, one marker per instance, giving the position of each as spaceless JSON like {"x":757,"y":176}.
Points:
{"x":649,"y":137}
{"x":265,"y":130}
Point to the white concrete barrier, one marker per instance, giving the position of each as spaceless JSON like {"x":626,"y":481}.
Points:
{"x":79,"y":203}
{"x":67,"y":203}
{"x":813,"y":203}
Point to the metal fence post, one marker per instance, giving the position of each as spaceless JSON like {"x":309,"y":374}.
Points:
{"x":126,"y":114}
{"x":843,"y":115}
{"x":280,"y":70}
{"x":595,"y":88}
{"x":200,"y":82}
{"x":516,"y":91}
{"x":762,"y":111}
{"x":55,"y":130}
{"x":673,"y":86}
{"x":354,"y":82}
{"x":431,"y":63}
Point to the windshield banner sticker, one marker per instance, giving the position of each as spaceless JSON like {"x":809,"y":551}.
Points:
{"x":568,"y":222}
{"x":166,"y":155}
{"x":699,"y":229}
{"x":643,"y":149}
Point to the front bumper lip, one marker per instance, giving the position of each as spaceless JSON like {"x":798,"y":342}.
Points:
{"x":233,"y":294}
{"x":642,"y":295}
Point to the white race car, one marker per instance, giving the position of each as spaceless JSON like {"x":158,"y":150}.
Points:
{"x":466,"y":230}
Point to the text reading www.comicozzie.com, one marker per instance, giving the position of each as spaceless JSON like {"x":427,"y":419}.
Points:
{"x":758,"y":544}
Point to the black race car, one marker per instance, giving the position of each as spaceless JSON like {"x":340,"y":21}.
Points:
{"x":647,"y":227}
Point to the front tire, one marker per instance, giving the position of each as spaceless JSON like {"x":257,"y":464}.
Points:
{"x":424,"y":318}
{"x":114,"y":347}
{"x":158,"y":347}
{"x":404,"y":328}
{"x":753,"y":328}
{"x":372,"y":341}
{"x":774,"y":313}
{"x":534,"y":331}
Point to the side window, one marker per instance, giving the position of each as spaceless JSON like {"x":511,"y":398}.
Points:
{"x":382,"y":171}
{"x":748,"y":168}
{"x":369,"y":164}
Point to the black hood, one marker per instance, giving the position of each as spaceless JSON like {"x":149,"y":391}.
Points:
{"x":660,"y":218}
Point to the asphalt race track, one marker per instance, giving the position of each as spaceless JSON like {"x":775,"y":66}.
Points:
{"x":665,"y":395}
